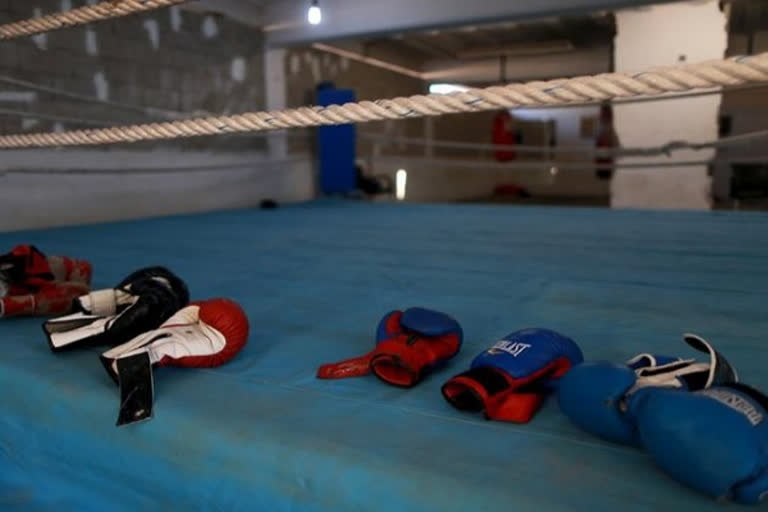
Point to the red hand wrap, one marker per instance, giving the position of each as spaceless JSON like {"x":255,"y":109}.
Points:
{"x":40,"y":285}
{"x":51,"y":298}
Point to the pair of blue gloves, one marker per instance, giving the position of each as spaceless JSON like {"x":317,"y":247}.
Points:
{"x":696,"y":420}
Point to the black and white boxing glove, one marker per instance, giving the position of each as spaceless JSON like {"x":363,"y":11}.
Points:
{"x":203,"y":334}
{"x":139,"y":303}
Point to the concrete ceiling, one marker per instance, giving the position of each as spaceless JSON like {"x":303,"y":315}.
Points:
{"x":492,"y":53}
{"x":283,"y":21}
{"x":511,"y":39}
{"x":346,"y":19}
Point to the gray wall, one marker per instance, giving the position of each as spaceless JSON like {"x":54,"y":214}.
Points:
{"x":748,"y":110}
{"x":168,"y":60}
{"x":165,"y":59}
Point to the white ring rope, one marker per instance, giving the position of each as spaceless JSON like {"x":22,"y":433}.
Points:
{"x":583,"y":151}
{"x":166,"y":114}
{"x":52,"y":117}
{"x":474,"y":165}
{"x":80,"y":16}
{"x":686,"y":77}
{"x":657,"y":98}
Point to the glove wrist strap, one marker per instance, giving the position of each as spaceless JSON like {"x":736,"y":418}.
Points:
{"x":74,"y":331}
{"x":355,"y":367}
{"x":392,"y":361}
{"x":136,"y":388}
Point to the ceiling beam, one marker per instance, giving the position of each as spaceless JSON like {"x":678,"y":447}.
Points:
{"x":519,"y":50}
{"x":246,"y":12}
{"x":428,"y":46}
{"x":520,"y":69}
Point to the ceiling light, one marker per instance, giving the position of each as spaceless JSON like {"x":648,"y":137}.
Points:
{"x":314,"y":14}
{"x":446,"y":88}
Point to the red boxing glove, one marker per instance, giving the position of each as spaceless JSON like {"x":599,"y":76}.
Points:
{"x":409,"y":345}
{"x":204,"y":334}
{"x":510,"y":380}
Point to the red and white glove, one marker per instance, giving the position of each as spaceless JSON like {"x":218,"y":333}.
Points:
{"x":204,"y":334}
{"x":32,"y":283}
{"x":43,"y":299}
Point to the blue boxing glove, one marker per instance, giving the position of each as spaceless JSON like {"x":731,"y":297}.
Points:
{"x":598,"y":396}
{"x":714,"y":440}
{"x":510,"y":380}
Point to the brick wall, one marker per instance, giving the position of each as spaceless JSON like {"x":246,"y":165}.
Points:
{"x":167,"y":59}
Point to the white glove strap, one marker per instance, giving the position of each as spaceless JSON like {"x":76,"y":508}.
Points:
{"x":651,"y":360}
{"x":668,"y":375}
{"x":69,"y":329}
{"x":105,"y":302}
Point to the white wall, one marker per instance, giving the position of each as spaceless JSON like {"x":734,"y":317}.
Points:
{"x":568,"y":182}
{"x":52,"y":188}
{"x":657,"y":36}
{"x":567,"y":122}
{"x":452,"y":180}
{"x":456,"y":180}
{"x":521,"y":69}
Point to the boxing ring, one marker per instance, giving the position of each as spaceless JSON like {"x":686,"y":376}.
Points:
{"x":261,"y":433}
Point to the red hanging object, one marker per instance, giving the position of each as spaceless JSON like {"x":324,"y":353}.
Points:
{"x":502,"y":136}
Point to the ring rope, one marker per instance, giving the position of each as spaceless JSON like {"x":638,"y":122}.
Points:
{"x":644,"y":151}
{"x":532,"y":165}
{"x":584,"y":151}
{"x":680,"y":78}
{"x":52,"y":117}
{"x":80,"y":16}
{"x":648,"y":151}
{"x":153,"y":112}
